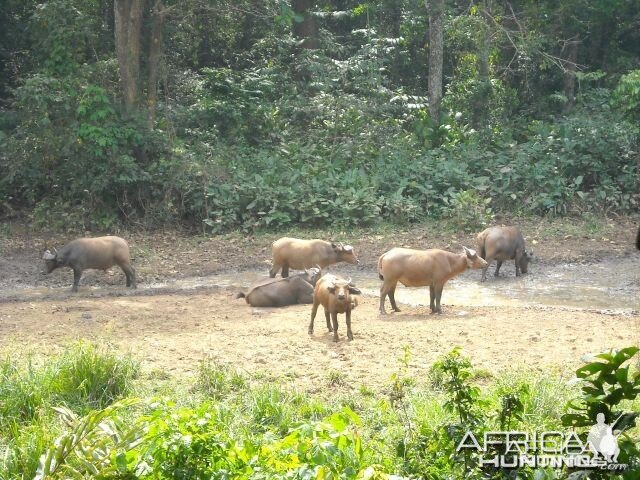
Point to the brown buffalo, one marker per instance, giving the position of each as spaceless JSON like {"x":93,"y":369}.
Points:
{"x":334,"y":294}
{"x":503,"y":243}
{"x":280,"y":292}
{"x":299,"y":254}
{"x":421,"y":268}
{"x":100,"y":253}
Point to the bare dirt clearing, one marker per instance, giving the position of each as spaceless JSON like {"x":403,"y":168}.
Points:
{"x":174,"y":332}
{"x":178,"y":318}
{"x":158,"y":256}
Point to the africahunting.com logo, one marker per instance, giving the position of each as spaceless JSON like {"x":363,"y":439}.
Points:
{"x":551,"y":449}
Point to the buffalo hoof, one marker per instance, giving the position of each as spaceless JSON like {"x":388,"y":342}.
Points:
{"x":310,"y":331}
{"x":335,"y":338}
{"x":350,"y":336}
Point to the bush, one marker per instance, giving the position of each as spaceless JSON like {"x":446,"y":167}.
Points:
{"x":265,"y":431}
{"x":89,"y":377}
{"x":626,"y":96}
{"x":83,"y":377}
{"x":216,"y":381}
{"x":336,"y":151}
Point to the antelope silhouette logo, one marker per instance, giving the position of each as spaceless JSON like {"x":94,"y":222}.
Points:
{"x":602,"y":441}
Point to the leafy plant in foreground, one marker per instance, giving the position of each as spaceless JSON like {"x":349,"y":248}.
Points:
{"x":93,"y":444}
{"x":607,"y":380}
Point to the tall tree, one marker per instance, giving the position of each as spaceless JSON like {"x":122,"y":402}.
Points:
{"x":436,"y":54}
{"x":155,"y":53}
{"x":134,"y":24}
{"x":480,"y":106}
{"x":570,"y":52}
{"x":306,"y":29}
{"x":128,"y":33}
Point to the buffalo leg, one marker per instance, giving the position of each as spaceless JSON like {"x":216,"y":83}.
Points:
{"x":518,"y":259}
{"x":498,"y":265}
{"x":76,"y":279}
{"x":274,"y":270}
{"x":383,"y":295}
{"x":439,"y":289}
{"x":349,"y":333}
{"x":385,"y":289}
{"x":334,"y":320}
{"x":314,"y":310}
{"x":432,"y":298}
{"x":392,"y":299}
{"x":327,"y":316}
{"x":489,"y":259}
{"x":285,"y":270}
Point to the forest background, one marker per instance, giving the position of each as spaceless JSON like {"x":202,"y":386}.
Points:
{"x":242,"y":114}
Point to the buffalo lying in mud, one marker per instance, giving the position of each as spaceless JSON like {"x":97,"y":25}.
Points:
{"x":280,"y":292}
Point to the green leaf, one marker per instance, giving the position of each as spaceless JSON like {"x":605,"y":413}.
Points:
{"x":590,"y":369}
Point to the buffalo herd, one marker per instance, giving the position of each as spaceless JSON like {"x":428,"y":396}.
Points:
{"x":410,"y":267}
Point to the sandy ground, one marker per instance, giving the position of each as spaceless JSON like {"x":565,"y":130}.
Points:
{"x":158,"y":256}
{"x":173,"y":330}
{"x":173,"y":333}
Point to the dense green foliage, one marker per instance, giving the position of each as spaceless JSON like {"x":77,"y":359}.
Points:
{"x":230,"y":426}
{"x":83,"y":377}
{"x":251,"y":130}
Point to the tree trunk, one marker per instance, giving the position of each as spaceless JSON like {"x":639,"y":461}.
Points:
{"x":436,"y":48}
{"x":306,"y":30}
{"x":155,"y":54}
{"x":570,"y":74}
{"x":128,"y":15}
{"x":481,"y":97}
{"x":395,"y":21}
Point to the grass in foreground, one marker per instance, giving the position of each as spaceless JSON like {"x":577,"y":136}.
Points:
{"x":82,"y":405}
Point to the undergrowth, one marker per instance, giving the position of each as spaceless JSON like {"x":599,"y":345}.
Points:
{"x":230,"y":425}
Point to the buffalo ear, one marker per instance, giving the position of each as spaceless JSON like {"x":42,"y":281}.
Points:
{"x":354,"y":291}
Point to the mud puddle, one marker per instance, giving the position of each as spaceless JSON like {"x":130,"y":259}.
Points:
{"x":611,"y":285}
